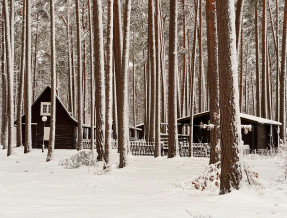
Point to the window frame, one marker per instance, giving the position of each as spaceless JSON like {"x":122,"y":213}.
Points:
{"x":48,"y":104}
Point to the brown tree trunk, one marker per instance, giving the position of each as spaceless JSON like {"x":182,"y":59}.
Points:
{"x":229,"y":106}
{"x":99,"y":78}
{"x":263,"y":84}
{"x":258,"y":111}
{"x":123,"y":137}
{"x":192,"y":77}
{"x":238,"y":21}
{"x":21,"y":86}
{"x":282,"y":79}
{"x":213,"y":79}
{"x":109,"y":85}
{"x":172,"y":94}
{"x":51,"y":146}
{"x":80,"y":91}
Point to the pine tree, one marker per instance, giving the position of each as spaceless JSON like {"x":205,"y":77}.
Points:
{"x":172,"y":94}
{"x":229,"y":97}
{"x":99,"y":78}
{"x":53,"y":85}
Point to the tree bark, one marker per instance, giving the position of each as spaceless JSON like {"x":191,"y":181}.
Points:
{"x":109,"y":85}
{"x":282,"y":79}
{"x":229,"y":95}
{"x":21,"y":86}
{"x":258,"y":111}
{"x":213,"y":79}
{"x":263,"y":84}
{"x":172,"y":94}
{"x":123,"y":121}
{"x":10,"y":79}
{"x":238,"y":21}
{"x":50,"y":155}
{"x":100,"y":78}
{"x":80,"y":92}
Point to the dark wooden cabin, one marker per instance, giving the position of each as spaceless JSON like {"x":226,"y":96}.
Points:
{"x":66,"y":125}
{"x":264,"y":133}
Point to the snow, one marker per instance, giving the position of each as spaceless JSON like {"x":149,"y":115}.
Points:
{"x":148,"y":187}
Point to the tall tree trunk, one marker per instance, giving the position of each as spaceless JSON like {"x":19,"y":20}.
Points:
{"x":35,"y":58}
{"x":172,"y":94}
{"x":192,"y":76}
{"x":229,"y":106}
{"x":10,"y":79}
{"x":246,"y":73}
{"x":238,"y":21}
{"x":92,"y":75}
{"x":123,"y":121}
{"x":21,"y":85}
{"x":99,"y":78}
{"x":70,"y":103}
{"x":201,"y":81}
{"x":4,"y":125}
{"x":109,"y":85}
{"x":213,"y":79}
{"x":263,"y":84}
{"x":282,"y":79}
{"x":152,"y":58}
{"x":80,"y":91}
{"x":241,"y":71}
{"x":258,"y":111}
{"x":51,"y":146}
{"x":28,"y":83}
{"x":158,"y":79}
{"x":277,"y":65}
{"x":118,"y":44}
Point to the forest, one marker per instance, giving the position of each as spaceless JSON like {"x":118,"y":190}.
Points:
{"x":114,"y":81}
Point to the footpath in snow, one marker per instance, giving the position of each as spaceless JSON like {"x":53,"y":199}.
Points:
{"x":147,"y":187}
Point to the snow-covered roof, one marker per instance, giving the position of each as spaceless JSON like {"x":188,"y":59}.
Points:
{"x":259,"y":119}
{"x":243,"y":116}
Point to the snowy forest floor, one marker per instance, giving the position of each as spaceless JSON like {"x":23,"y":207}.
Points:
{"x":147,"y":187}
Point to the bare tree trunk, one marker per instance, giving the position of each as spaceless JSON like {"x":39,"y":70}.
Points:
{"x":35,"y":58}
{"x":22,"y":75}
{"x":118,"y":43}
{"x":4,"y":125}
{"x":213,"y":78}
{"x":50,"y":155}
{"x":28,"y":84}
{"x":282,"y":79}
{"x":109,"y":85}
{"x":152,"y":58}
{"x":263,"y":92}
{"x":238,"y":21}
{"x":241,"y":71}
{"x":80,"y":91}
{"x":258,"y":111}
{"x":229,"y":106}
{"x":172,"y":94}
{"x":92,"y":75}
{"x":158,"y":80}
{"x":277,"y":65}
{"x":192,"y":76}
{"x":123,"y":137}
{"x":10,"y":79}
{"x":99,"y":78}
{"x":246,"y":73}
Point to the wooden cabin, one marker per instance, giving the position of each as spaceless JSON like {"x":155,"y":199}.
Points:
{"x":66,"y":125}
{"x":264,"y":133}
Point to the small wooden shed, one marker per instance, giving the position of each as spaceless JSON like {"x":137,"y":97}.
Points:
{"x":263,"y":135}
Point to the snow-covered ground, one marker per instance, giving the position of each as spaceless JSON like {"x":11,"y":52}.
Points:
{"x":147,"y":187}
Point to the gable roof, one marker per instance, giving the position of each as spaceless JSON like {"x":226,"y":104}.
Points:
{"x":57,"y":99}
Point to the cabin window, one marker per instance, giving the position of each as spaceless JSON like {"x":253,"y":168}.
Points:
{"x":45,"y":109}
